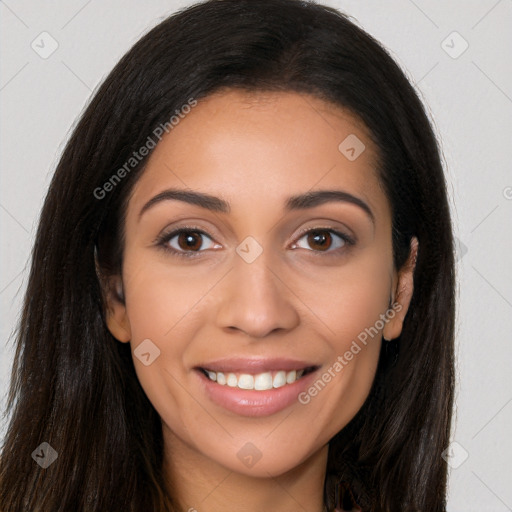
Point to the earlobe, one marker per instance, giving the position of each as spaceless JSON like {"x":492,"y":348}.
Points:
{"x":116,"y":316}
{"x":403,"y":295}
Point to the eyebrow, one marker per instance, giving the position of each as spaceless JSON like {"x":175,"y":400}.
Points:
{"x":299,"y":202}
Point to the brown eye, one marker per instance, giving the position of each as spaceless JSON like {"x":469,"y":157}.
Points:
{"x":323,"y":240}
{"x":189,"y":240}
{"x":319,"y":240}
{"x":186,"y":242}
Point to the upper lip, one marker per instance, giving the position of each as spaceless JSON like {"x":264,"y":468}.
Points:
{"x":254,"y":365}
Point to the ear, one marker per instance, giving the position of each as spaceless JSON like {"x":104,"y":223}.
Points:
{"x":116,"y":316}
{"x":403,"y":289}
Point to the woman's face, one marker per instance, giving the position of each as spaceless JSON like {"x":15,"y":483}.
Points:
{"x":258,"y":249}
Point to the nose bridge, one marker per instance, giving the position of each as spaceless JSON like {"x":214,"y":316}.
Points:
{"x":256,"y":300}
{"x":256,"y":278}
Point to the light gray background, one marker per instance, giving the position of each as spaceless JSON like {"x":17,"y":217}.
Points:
{"x":469,"y":99}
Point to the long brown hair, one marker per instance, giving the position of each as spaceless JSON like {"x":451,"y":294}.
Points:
{"x":74,"y":387}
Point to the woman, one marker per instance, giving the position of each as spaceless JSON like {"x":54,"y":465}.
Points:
{"x":242,"y":287}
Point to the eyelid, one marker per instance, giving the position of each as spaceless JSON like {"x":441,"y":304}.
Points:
{"x":163,"y":239}
{"x":349,"y":239}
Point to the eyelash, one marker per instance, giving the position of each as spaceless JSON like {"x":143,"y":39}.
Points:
{"x":163,"y":240}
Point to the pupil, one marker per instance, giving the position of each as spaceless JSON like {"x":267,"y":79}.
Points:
{"x":190,"y":241}
{"x":320,"y":238}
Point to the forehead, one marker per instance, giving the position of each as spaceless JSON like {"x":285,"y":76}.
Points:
{"x":258,"y":148}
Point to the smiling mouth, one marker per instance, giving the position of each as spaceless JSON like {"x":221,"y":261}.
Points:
{"x":263,"y":381}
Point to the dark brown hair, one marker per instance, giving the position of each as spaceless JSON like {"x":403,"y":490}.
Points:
{"x":75,"y":387}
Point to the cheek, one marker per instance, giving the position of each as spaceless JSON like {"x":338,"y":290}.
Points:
{"x":352,"y":305}
{"x":359,"y":305}
{"x":160,"y":298}
{"x":349,"y":299}
{"x":163,"y":307}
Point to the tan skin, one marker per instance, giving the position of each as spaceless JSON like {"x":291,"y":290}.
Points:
{"x":298,"y":299}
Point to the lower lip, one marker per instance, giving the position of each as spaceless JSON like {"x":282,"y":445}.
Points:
{"x":249,"y":402}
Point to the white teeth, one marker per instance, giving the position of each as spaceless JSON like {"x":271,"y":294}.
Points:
{"x":279,"y":379}
{"x":290,"y":377}
{"x":259,"y":382}
{"x":232,"y":380}
{"x":246,"y":381}
{"x":263,"y":381}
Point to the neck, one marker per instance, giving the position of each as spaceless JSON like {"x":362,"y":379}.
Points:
{"x":200,"y":484}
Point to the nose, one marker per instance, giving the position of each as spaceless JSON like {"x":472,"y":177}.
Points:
{"x":256,"y":299}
